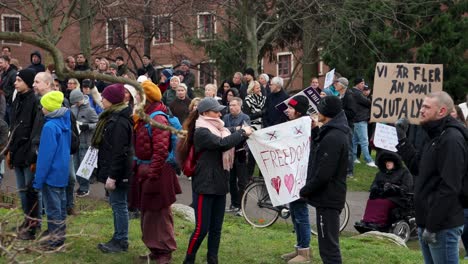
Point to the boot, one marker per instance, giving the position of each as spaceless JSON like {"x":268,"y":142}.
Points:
{"x":164,"y":258}
{"x":303,"y":256}
{"x":212,"y":260}
{"x":290,"y":255}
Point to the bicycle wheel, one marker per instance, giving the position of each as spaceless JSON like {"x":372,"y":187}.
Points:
{"x":344,"y":218}
{"x":256,"y":206}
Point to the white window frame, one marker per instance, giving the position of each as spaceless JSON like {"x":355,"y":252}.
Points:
{"x":125,"y":33}
{"x":171,"y":41}
{"x":3,"y":28}
{"x":277,"y":64}
{"x":214,"y":72}
{"x":198,"y":25}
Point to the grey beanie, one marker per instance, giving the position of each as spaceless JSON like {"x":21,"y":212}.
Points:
{"x":76,"y":96}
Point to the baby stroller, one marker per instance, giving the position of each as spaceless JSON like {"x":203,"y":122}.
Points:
{"x":401,"y":221}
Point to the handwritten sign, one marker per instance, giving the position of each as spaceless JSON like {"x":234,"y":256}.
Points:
{"x":88,"y":164}
{"x":310,"y":93}
{"x":385,"y":137}
{"x":399,"y":90}
{"x":329,"y":78}
{"x":282,"y":154}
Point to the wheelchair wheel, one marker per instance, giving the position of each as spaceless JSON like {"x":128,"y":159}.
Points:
{"x":344,"y":218}
{"x":402,"y":229}
{"x":256,"y":206}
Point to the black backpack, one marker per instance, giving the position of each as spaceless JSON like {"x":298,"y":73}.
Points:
{"x":75,"y":136}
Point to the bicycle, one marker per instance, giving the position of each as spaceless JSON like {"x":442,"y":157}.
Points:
{"x":258,"y":210}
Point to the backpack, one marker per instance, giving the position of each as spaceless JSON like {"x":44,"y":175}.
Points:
{"x":175,"y":123}
{"x":75,"y":137}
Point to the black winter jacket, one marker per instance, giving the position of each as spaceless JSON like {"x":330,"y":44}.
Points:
{"x":115,"y":156}
{"x":438,"y":169}
{"x":8,"y":83}
{"x":399,"y":176}
{"x":271,"y":115}
{"x":363,"y":106}
{"x":22,"y":119}
{"x":326,"y":174}
{"x":210,"y":177}
{"x":349,"y":107}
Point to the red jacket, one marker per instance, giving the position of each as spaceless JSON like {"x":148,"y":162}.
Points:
{"x":155,"y":180}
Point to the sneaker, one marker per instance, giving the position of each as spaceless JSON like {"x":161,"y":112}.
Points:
{"x":371,"y":164}
{"x":82,"y":193}
{"x":239,"y":213}
{"x":356,"y":161}
{"x":350,"y":176}
{"x":232,"y":209}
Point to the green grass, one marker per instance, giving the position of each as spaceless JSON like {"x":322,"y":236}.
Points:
{"x":240,"y":242}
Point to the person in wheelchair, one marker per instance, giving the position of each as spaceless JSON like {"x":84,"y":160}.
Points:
{"x":389,"y":191}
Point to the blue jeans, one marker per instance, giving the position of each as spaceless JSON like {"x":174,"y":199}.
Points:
{"x":445,"y":250}
{"x":70,"y":190}
{"x":360,"y":137}
{"x":301,"y":222}
{"x":350,"y":170}
{"x":118,"y":202}
{"x":56,"y":208}
{"x":24,"y":177}
{"x":464,"y":236}
{"x":77,"y":158}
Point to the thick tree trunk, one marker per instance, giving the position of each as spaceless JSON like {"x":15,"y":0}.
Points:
{"x":85,"y":28}
{"x":251,"y":59}
{"x":310,"y":57}
{"x":147,"y":28}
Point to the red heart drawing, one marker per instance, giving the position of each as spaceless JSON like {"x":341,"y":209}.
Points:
{"x":289,"y":182}
{"x":276,"y":183}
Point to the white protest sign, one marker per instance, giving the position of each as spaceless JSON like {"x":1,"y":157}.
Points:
{"x":385,"y":137}
{"x":282,"y":154}
{"x":88,"y":164}
{"x":329,"y":78}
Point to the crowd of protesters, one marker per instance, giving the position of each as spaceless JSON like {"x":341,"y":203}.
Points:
{"x":53,"y":122}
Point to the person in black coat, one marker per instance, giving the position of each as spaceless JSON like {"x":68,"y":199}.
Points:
{"x":439,"y":169}
{"x":325,"y":188}
{"x":271,"y":115}
{"x":113,"y":137}
{"x":214,"y":145}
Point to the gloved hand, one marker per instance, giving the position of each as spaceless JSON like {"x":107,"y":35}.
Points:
{"x":32,"y":167}
{"x":110,"y":184}
{"x":84,"y":127}
{"x":387,"y":186}
{"x":429,"y":237}
{"x":401,"y":127}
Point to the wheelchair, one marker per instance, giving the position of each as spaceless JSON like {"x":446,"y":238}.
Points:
{"x":401,"y":222}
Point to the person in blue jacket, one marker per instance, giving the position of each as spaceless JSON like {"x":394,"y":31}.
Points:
{"x":52,"y":166}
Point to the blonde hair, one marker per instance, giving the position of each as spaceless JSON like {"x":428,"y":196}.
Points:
{"x":251,"y":86}
{"x":194,"y":101}
{"x":212,"y":87}
{"x":76,"y":81}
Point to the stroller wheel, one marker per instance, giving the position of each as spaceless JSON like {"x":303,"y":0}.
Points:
{"x":402,"y":229}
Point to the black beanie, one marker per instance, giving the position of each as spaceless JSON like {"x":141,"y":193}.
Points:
{"x":27,"y":75}
{"x":300,"y":103}
{"x":330,"y":106}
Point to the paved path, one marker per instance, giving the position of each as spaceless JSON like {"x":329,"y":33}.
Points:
{"x":356,"y":200}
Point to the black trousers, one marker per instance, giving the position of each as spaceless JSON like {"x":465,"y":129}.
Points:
{"x":209,"y":217}
{"x":328,"y":225}
{"x":238,"y":180}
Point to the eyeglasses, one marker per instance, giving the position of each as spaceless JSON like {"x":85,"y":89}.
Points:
{"x":71,"y":82}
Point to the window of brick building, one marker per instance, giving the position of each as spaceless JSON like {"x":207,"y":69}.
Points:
{"x":285,"y":64}
{"x":116,"y":33}
{"x":206,"y":73}
{"x":162,"y":30}
{"x":11,"y":23}
{"x":206,"y":26}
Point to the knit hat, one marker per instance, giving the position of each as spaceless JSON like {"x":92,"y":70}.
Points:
{"x":168,"y":73}
{"x":209,"y":104}
{"x":52,"y":101}
{"x":88,"y":83}
{"x":152,"y":92}
{"x":186,"y":62}
{"x":330,"y":106}
{"x":76,"y":96}
{"x":175,"y":77}
{"x":300,"y":103}
{"x":250,"y":72}
{"x":183,"y":86}
{"x":114,"y":93}
{"x":343,"y":81}
{"x":358,"y":80}
{"x":27,"y":75}
{"x":142,"y":78}
{"x":265,"y":76}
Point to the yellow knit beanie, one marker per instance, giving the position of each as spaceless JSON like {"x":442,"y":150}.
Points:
{"x":152,"y":92}
{"x":52,"y":100}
